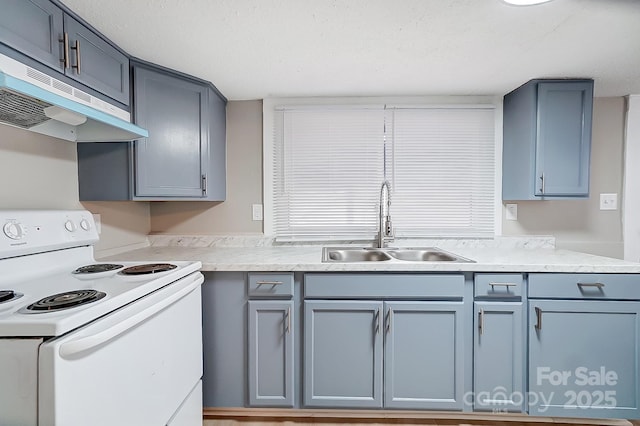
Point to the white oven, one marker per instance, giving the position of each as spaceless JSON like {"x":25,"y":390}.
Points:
{"x":132,"y":356}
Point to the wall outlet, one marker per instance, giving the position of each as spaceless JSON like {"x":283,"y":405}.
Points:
{"x":608,"y":201}
{"x":511,"y":212}
{"x":256,"y":211}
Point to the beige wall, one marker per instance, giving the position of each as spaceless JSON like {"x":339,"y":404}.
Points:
{"x":244,"y":184}
{"x":580,"y":224}
{"x":40,"y":172}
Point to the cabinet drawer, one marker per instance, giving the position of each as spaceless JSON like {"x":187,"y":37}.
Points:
{"x":585,"y":286}
{"x":266,"y":284}
{"x":498,"y":285}
{"x":387,"y":286}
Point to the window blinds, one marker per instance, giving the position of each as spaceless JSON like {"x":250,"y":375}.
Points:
{"x":329,"y":163}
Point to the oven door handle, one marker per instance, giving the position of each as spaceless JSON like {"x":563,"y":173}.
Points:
{"x":83,"y":344}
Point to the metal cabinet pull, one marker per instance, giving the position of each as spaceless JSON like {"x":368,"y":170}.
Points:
{"x":538,"y":325}
{"x":376,"y":318}
{"x":507,"y":285}
{"x":65,"y":50}
{"x":289,"y":320}
{"x":481,"y":321}
{"x":598,"y":285}
{"x":269,"y":282}
{"x":76,"y":47}
{"x":542,"y":183}
{"x":389,"y":319}
{"x":204,"y":184}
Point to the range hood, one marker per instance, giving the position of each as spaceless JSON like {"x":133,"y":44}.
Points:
{"x":32,"y":100}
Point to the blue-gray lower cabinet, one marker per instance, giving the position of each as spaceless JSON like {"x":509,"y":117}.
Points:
{"x":423,"y":355}
{"x":271,"y":354}
{"x":584,"y":358}
{"x":343,"y":354}
{"x":498,"y":357}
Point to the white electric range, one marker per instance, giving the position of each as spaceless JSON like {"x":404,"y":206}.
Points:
{"x":85,"y":342}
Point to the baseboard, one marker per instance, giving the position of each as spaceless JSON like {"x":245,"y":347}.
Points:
{"x":390,"y":416}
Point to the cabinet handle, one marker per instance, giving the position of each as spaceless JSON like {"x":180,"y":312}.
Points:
{"x":599,"y":285}
{"x":376,"y":318}
{"x":269,"y":282}
{"x":389,"y":319}
{"x":289,"y":320}
{"x":507,"y":285}
{"x":204,"y":184}
{"x":481,"y":321}
{"x":65,"y":50}
{"x":538,"y":325}
{"x":542,"y":183}
{"x":76,"y":47}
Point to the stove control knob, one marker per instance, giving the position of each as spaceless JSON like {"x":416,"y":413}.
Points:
{"x":84,"y":224}
{"x":13,"y":230}
{"x":70,"y":226}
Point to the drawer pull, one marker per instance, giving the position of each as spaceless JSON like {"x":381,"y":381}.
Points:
{"x":481,"y":321}
{"x":507,"y":285}
{"x":376,"y":319}
{"x":599,"y":285}
{"x":538,"y":325}
{"x":269,"y":282}
{"x":288,"y":320}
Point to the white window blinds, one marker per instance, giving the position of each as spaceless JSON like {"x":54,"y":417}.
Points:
{"x":329,"y":163}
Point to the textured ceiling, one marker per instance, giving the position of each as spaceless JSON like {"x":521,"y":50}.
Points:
{"x":252,"y":49}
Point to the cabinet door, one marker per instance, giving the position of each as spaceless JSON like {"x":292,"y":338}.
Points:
{"x":168,"y":162}
{"x":33,"y":27}
{"x":424,"y":348}
{"x":343,"y":354}
{"x":564,"y":138}
{"x":270,"y":353}
{"x":498,"y":356}
{"x":96,"y":63}
{"x":584,"y":358}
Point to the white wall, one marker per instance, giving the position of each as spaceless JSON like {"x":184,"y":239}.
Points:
{"x":40,"y":172}
{"x":631,"y":207}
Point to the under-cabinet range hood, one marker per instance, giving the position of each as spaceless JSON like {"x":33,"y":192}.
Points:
{"x":32,"y":100}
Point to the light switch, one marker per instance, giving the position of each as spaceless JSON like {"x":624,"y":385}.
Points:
{"x":256,"y":211}
{"x":608,"y":201}
{"x":511,"y":212}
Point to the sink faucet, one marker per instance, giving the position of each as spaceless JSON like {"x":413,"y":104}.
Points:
{"x":385,"y":229}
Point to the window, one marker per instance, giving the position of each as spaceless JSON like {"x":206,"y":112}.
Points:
{"x":330,"y":161}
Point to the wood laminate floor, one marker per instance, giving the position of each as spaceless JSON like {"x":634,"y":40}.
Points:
{"x":240,"y":417}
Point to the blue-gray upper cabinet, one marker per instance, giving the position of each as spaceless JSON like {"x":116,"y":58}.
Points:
{"x":182,"y":159}
{"x":547,"y":140}
{"x":271,"y":353}
{"x":423,"y":355}
{"x":33,"y":27}
{"x":43,"y":31}
{"x":343,"y":354}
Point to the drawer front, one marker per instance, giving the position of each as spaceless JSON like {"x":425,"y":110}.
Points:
{"x":266,"y":284}
{"x":585,"y":286}
{"x":387,"y":286}
{"x":498,"y":285}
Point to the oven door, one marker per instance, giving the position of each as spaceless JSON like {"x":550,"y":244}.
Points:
{"x":134,"y":366}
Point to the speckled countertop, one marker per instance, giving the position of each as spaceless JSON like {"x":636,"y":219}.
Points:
{"x":537,"y":257}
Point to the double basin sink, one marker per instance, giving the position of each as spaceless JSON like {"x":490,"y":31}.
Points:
{"x":356,"y":254}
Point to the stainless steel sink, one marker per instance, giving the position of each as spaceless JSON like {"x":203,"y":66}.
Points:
{"x":353,"y":255}
{"x":357,"y":254}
